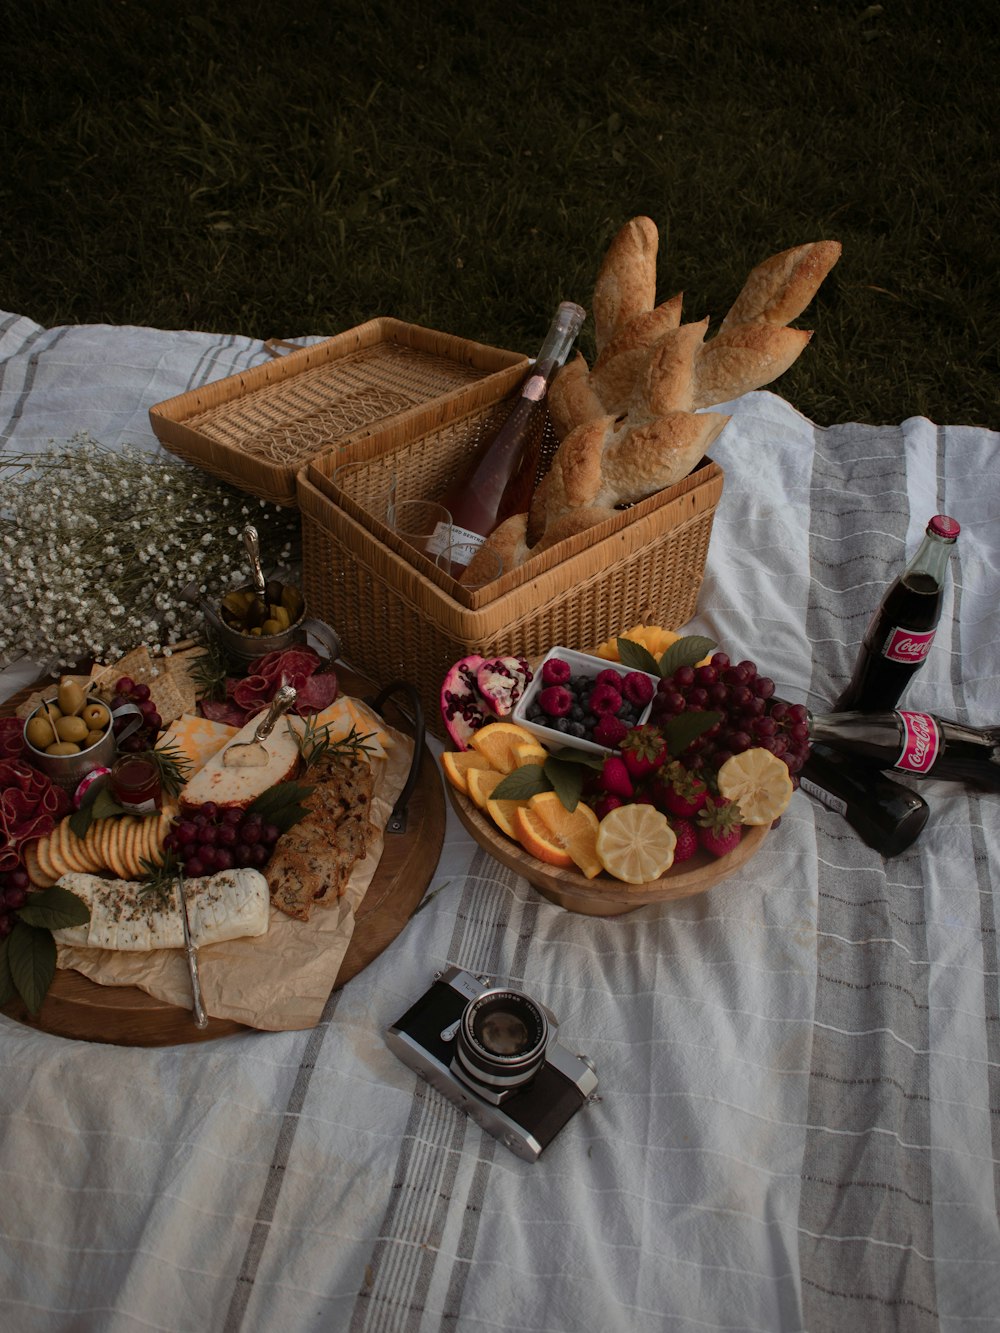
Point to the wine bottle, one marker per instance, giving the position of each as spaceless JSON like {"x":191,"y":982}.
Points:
{"x":921,"y":744}
{"x":886,"y":815}
{"x":500,"y":478}
{"x":900,"y":633}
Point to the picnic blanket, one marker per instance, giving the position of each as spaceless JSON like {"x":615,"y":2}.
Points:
{"x":799,"y":1071}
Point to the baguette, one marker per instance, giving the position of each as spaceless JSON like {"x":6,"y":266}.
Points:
{"x":635,"y":422}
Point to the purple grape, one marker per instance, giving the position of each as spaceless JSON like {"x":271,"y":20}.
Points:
{"x":232,"y":814}
{"x":6,"y":924}
{"x":140,"y":693}
{"x":270,"y":834}
{"x":185,"y":832}
{"x":206,"y":855}
{"x":193,"y":868}
{"x":19,"y":879}
{"x":223,"y":858}
{"x":14,"y":898}
{"x":209,"y":809}
{"x":226,"y":835}
{"x":243,"y":854}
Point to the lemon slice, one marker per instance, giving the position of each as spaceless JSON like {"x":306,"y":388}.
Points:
{"x":759,"y":783}
{"x":636,"y":843}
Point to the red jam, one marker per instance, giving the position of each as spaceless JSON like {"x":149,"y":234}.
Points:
{"x":135,"y":785}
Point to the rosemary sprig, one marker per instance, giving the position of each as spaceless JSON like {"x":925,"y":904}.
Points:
{"x":209,"y":670}
{"x":316,"y":744}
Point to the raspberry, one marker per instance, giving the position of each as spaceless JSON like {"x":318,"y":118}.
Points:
{"x":637,"y":688}
{"x":604,"y":699}
{"x":609,"y":677}
{"x":556,"y":700}
{"x":610,"y":731}
{"x":555,"y":671}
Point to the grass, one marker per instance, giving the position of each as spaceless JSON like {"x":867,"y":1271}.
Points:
{"x":286,"y":169}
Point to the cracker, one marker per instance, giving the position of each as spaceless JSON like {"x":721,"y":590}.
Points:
{"x":171,"y":702}
{"x":137,"y":665}
{"x":33,"y":866}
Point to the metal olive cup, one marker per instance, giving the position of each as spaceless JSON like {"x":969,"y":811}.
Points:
{"x":244,"y":649}
{"x":69,"y":770}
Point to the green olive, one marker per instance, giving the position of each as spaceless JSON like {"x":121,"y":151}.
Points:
{"x":62,"y":747}
{"x":39,"y":732}
{"x":96,"y":717}
{"x":71,"y":697}
{"x":71,"y":729}
{"x":91,"y":738}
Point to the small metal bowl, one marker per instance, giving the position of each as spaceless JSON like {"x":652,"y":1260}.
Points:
{"x":69,"y":770}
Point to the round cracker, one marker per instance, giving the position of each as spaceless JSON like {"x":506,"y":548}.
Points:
{"x":33,"y":866}
{"x":42,"y":851}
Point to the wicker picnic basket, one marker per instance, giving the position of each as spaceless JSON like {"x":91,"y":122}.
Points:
{"x":256,"y":429}
{"x":401,"y":617}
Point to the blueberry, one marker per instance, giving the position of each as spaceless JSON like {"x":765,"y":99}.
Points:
{"x":576,"y":713}
{"x":577,"y":729}
{"x":562,"y":724}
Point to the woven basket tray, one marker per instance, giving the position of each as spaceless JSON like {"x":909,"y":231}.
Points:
{"x":401,"y":617}
{"x":256,"y":429}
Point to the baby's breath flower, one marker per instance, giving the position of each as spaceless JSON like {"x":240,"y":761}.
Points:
{"x":96,"y":578}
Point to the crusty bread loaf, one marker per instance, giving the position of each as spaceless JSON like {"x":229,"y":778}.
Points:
{"x":634,"y":423}
{"x":626,"y":281}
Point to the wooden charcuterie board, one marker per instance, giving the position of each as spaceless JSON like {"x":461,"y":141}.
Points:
{"x":77,"y":1007}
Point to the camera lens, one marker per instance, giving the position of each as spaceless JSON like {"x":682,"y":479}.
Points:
{"x":501,"y":1039}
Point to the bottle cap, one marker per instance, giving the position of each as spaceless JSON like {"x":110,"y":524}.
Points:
{"x":943,"y":526}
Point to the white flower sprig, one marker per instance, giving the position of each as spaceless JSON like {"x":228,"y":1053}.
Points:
{"x":96,"y":545}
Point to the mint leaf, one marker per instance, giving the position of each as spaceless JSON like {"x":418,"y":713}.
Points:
{"x":685,"y":652}
{"x":681,"y":730}
{"x":281,"y":804}
{"x":522,"y":784}
{"x":6,"y":980}
{"x":566,"y":778}
{"x":584,"y":757}
{"x":97,"y":804}
{"x":634,"y":655}
{"x":31,"y":956}
{"x":54,"y":908}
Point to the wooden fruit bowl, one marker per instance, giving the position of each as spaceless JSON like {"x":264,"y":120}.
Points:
{"x":603,"y":895}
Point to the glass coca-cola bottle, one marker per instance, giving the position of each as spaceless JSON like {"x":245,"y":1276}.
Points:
{"x":885,"y":814}
{"x":921,"y":744}
{"x":901,"y":632}
{"x":500,"y":479}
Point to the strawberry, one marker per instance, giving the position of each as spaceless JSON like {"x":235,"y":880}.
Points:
{"x":687,"y":839}
{"x":643,"y":751}
{"x":615,"y":778}
{"x":719,"y":827}
{"x":679,"y":792}
{"x":605,"y":804}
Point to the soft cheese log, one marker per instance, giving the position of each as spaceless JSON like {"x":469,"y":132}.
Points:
{"x":229,"y":905}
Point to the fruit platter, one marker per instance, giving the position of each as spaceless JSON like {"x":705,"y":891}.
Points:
{"x":647,"y":770}
{"x":300,"y":822}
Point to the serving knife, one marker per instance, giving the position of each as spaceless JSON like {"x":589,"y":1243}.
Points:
{"x":200,"y":1017}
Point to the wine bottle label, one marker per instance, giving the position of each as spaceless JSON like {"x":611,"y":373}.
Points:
{"x":909,"y":646}
{"x":824,"y":797}
{"x":921,"y":743}
{"x":464,"y":542}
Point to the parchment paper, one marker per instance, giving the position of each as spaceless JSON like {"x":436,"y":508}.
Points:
{"x":278,"y":981}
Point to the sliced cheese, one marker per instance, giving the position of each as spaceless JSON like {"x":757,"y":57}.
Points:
{"x":198,"y":738}
{"x":345,"y":713}
{"x":230,"y":905}
{"x":239,"y":786}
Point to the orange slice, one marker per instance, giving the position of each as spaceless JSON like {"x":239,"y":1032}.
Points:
{"x":529,"y":752}
{"x":759,"y":782}
{"x":456,"y":763}
{"x":496,"y":742}
{"x":502,"y":814}
{"x":636,"y":843}
{"x":536,"y":837}
{"x":574,"y":831}
{"x":481,"y":782}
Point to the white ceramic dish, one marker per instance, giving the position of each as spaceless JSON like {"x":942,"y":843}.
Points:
{"x":580,"y":664}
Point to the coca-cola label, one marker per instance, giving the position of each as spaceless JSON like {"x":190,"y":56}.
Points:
{"x":909,"y":646}
{"x":921,"y":742}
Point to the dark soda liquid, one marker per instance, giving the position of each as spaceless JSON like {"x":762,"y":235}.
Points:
{"x":912,"y":603}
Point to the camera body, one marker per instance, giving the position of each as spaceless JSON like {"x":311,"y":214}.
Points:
{"x":492,"y":1050}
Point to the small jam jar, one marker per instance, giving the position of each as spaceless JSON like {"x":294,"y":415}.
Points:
{"x":135,"y":784}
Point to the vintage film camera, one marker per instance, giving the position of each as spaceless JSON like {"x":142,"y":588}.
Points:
{"x":492,"y":1051}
